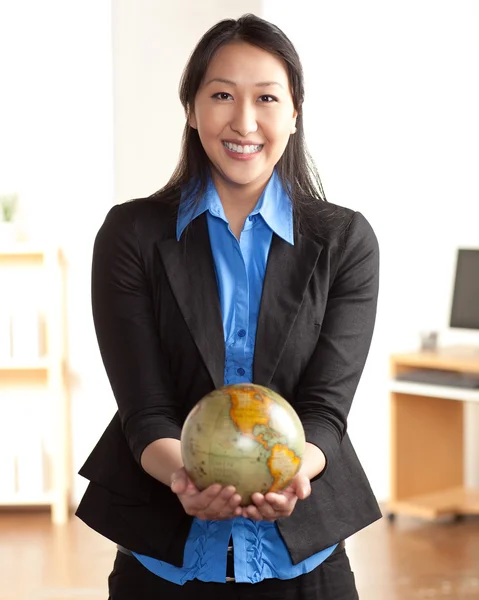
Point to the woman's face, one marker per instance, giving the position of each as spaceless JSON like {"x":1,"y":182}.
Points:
{"x":244,"y":113}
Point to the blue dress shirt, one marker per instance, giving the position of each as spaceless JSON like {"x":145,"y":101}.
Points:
{"x":259,"y":550}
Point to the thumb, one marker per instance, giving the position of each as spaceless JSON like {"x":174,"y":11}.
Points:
{"x":179,"y":482}
{"x":303,"y":487}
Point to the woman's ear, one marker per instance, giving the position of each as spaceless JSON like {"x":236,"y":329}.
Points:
{"x":293,"y":127}
{"x":192,"y":120}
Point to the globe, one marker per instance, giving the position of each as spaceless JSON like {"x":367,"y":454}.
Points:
{"x":244,"y":435}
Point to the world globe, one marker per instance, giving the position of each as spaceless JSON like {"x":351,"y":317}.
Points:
{"x":244,"y":435}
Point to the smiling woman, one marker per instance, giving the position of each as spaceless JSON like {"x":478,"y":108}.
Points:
{"x":237,"y":271}
{"x":250,"y":66}
{"x":239,"y":114}
{"x":238,"y":121}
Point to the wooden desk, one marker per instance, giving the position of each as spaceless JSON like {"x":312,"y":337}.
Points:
{"x":427,"y":439}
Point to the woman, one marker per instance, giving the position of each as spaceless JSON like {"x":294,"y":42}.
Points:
{"x":237,"y":271}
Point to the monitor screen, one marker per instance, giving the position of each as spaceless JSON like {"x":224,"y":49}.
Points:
{"x":465,"y":299}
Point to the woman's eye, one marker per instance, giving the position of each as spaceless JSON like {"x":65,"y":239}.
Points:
{"x":222,"y":96}
{"x":267,"y":98}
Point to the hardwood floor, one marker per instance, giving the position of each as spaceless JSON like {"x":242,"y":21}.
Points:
{"x":404,"y":560}
{"x":412,"y":560}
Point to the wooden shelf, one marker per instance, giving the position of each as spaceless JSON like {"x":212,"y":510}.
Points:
{"x":23,"y":249}
{"x":427,"y":437}
{"x":40,"y":364}
{"x":456,"y":358}
{"x":26,"y":500}
{"x":454,"y":501}
{"x":434,"y":391}
{"x":32,"y":272}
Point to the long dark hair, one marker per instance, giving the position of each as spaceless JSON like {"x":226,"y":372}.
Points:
{"x":295,"y":168}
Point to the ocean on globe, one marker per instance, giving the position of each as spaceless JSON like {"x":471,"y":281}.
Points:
{"x":244,"y":435}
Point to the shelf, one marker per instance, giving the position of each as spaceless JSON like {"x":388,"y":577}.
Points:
{"x":26,"y":500}
{"x":22,"y":249}
{"x":428,"y":436}
{"x":28,"y":255}
{"x":39,"y":364}
{"x":38,"y":269}
{"x":434,"y":391}
{"x":455,"y":358}
{"x":453,"y":501}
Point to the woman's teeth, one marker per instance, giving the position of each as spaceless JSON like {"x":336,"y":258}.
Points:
{"x":242,"y":149}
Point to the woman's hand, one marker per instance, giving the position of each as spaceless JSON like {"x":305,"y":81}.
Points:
{"x":213,"y":504}
{"x":276,"y":505}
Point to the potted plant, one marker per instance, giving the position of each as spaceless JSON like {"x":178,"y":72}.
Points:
{"x":8,"y":207}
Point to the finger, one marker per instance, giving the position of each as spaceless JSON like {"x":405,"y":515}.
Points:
{"x":270,"y":501}
{"x":252,"y":512}
{"x":304,"y":492}
{"x":225,"y":506}
{"x":263,"y":508}
{"x":197,"y":504}
{"x":206,"y":496}
{"x":279,"y":502}
{"x":225,"y":496}
{"x":231,"y":514}
{"x":302,"y":486}
{"x":235,"y":501}
{"x":270,"y":513}
{"x":257,"y":499}
{"x":179,"y":483}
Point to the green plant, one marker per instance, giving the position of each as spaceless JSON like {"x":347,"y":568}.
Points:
{"x":8,"y":204}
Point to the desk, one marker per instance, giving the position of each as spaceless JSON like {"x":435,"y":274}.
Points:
{"x":427,"y":438}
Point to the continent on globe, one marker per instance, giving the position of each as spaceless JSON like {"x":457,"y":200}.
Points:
{"x":244,"y":435}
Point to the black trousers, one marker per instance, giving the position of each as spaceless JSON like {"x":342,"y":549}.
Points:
{"x":332,"y":580}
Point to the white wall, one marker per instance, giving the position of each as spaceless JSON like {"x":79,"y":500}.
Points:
{"x":152,"y":42}
{"x":56,"y":151}
{"x":392,"y":120}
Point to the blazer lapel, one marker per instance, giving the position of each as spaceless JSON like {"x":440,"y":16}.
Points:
{"x":288,"y":272}
{"x":190,"y":270}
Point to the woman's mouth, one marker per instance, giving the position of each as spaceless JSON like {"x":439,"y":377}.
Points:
{"x":242,"y":152}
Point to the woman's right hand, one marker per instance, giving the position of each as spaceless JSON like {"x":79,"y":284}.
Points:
{"x":215,"y":503}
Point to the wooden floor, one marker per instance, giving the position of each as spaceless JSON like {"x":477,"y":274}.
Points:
{"x":405,"y":560}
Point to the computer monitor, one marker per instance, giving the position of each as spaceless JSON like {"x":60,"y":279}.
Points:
{"x":465,"y":299}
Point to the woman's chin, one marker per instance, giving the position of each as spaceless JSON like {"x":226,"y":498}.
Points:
{"x":243,"y":176}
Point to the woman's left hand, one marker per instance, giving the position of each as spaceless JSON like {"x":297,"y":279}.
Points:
{"x":276,"y":505}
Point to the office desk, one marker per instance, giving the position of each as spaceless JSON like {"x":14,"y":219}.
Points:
{"x":427,"y":438}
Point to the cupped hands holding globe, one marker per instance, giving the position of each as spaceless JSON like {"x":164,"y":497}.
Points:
{"x":220,"y":503}
{"x":242,"y":447}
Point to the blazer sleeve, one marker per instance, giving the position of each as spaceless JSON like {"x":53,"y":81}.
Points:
{"x":328,"y":385}
{"x":126,"y":329}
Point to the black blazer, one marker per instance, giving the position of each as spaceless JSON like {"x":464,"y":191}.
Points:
{"x":159,"y":327}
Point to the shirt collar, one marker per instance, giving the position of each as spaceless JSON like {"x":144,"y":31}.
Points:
{"x":274,"y":206}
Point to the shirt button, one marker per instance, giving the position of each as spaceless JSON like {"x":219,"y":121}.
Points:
{"x":241,"y":333}
{"x":240,"y":371}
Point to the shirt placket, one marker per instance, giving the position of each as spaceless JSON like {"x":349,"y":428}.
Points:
{"x":241,"y":314}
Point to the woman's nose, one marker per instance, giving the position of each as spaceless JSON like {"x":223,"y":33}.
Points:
{"x":244,"y":119}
